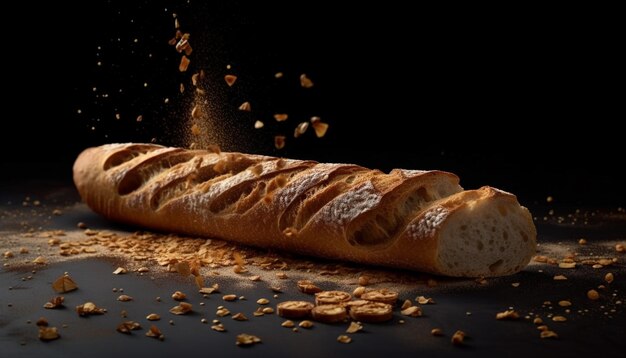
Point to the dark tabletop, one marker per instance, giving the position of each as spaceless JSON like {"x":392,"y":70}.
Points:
{"x":591,"y":326}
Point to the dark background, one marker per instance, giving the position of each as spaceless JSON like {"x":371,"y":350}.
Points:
{"x":521,"y":99}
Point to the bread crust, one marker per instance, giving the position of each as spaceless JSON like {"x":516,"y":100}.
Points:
{"x":339,"y":211}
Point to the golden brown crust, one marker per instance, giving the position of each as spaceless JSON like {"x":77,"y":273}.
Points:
{"x":339,"y":211}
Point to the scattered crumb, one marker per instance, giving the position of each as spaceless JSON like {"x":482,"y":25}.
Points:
{"x":437,"y":332}
{"x":247,"y":339}
{"x":593,"y":295}
{"x":548,"y":334}
{"x":120,"y":271}
{"x":181,"y":309}
{"x":354,"y":327}
{"x":344,"y":339}
{"x":64,"y":284}
{"x":458,"y":337}
{"x":507,"y":315}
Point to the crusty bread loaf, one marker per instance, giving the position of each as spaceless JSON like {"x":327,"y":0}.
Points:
{"x":419,"y":220}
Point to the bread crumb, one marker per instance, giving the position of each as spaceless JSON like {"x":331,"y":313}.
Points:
{"x":288,"y":324}
{"x":593,"y":295}
{"x":354,"y":327}
{"x":458,"y":337}
{"x":230,"y":80}
{"x":507,"y":315}
{"x":245,"y":106}
{"x":247,"y":339}
{"x":305,"y":81}
{"x":344,"y":339}
{"x":548,"y":334}
{"x":281,"y":117}
{"x":437,"y":332}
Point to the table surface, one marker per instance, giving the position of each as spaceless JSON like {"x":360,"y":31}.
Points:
{"x":591,"y":326}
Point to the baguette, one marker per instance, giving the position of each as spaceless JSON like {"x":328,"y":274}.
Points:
{"x":417,"y":220}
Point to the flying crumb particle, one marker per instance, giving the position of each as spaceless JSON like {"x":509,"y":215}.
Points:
{"x":281,"y":117}
{"x":278,"y":75}
{"x":230,"y":80}
{"x":300,"y":129}
{"x":320,"y":129}
{"x":549,"y":199}
{"x":279,"y":141}
{"x":184,"y":64}
{"x":195,"y":112}
{"x":305,"y":81}
{"x":245,"y":106}
{"x":139,"y":118}
{"x":195,"y":130}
